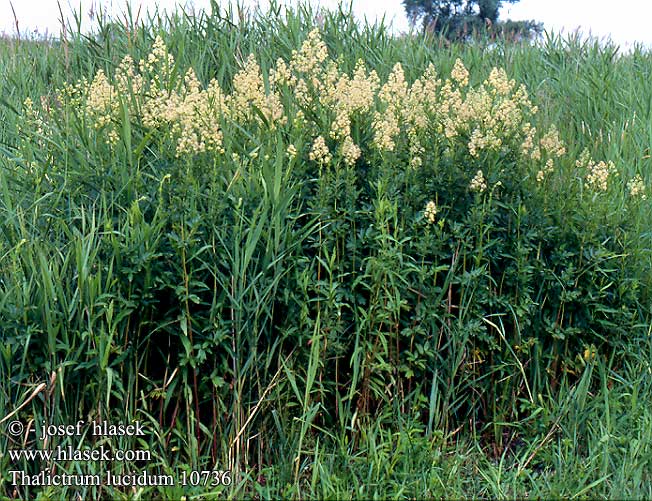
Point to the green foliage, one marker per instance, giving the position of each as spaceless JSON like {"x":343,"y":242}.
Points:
{"x":459,"y":19}
{"x":312,"y":326}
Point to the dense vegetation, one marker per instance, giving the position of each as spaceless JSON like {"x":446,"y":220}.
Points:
{"x":466,"y":19}
{"x":334,"y":262}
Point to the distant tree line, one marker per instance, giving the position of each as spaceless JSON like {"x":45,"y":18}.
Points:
{"x":461,"y":19}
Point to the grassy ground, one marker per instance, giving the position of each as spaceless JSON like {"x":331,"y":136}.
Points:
{"x":435,"y":300}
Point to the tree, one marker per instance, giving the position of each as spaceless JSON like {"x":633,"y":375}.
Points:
{"x":458,"y":19}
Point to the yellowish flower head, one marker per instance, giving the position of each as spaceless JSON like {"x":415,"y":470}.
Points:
{"x":320,"y":152}
{"x":312,"y":54}
{"x":500,"y":83}
{"x":478,"y":183}
{"x":551,"y":143}
{"x":350,"y":151}
{"x":430,"y":212}
{"x":598,"y":174}
{"x":291,"y":151}
{"x":249,"y":95}
{"x":636,"y":187}
{"x":460,"y":74}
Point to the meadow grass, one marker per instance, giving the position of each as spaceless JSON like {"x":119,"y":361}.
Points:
{"x":413,"y":290}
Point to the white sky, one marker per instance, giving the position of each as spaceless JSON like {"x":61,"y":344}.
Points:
{"x":625,"y":21}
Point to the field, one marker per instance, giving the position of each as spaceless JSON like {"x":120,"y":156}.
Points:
{"x":283,"y":255}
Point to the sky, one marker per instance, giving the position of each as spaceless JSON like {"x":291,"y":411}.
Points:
{"x":625,"y":22}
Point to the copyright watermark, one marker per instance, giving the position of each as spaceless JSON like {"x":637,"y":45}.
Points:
{"x":15,"y":428}
{"x":53,"y":453}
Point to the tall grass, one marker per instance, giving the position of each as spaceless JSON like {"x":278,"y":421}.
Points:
{"x":303,"y":324}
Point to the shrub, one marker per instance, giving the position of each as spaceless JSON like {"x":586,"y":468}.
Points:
{"x":341,"y":241}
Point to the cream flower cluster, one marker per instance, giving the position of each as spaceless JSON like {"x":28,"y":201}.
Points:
{"x":460,"y":74}
{"x":636,"y":187}
{"x":487,"y":117}
{"x":102,"y":105}
{"x":249,"y":95}
{"x":127,"y":79}
{"x":312,"y":93}
{"x":314,"y":80}
{"x":310,"y":57}
{"x":33,"y":116}
{"x":420,"y":103}
{"x":159,"y":58}
{"x":181,"y":108}
{"x":478,"y":183}
{"x":320,"y":152}
{"x":547,"y":169}
{"x":347,"y":97}
{"x":430,"y":212}
{"x":551,"y":143}
{"x":598,"y":175}
{"x":350,"y":151}
{"x":291,"y":151}
{"x":191,"y":113}
{"x":197,"y":121}
{"x":33,"y":128}
{"x":392,"y":96}
{"x":194,"y":116}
